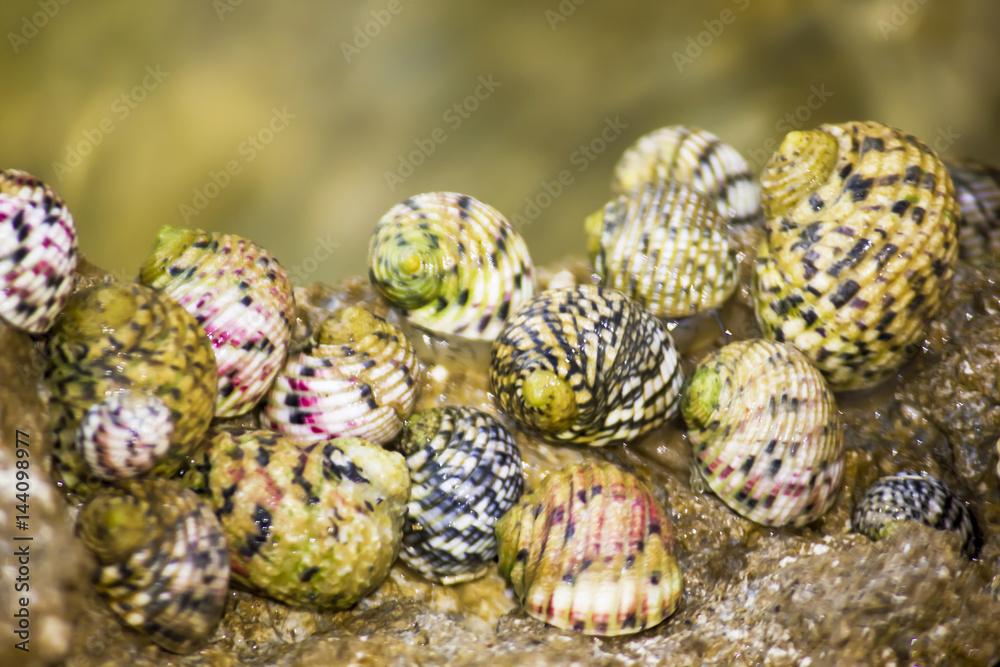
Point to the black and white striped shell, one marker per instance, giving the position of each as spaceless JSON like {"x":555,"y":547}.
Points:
{"x":465,"y":473}
{"x":666,"y":247}
{"x":452,"y":264}
{"x":124,"y":435}
{"x":162,"y":560}
{"x":696,"y":158}
{"x":766,"y":433}
{"x":241,"y":297}
{"x":358,"y":378}
{"x":977,"y":189}
{"x":586,"y":365}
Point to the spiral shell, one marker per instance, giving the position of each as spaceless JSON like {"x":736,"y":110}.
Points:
{"x":311,"y":525}
{"x":696,"y":158}
{"x":359,"y":378}
{"x":453,"y":264}
{"x":591,"y":550}
{"x":766,"y":432}
{"x":860,"y":247}
{"x":242,"y":298}
{"x":977,"y":189}
{"x":162,"y":561}
{"x":465,"y":471}
{"x":915,"y":496}
{"x":586,"y":365}
{"x":666,"y":247}
{"x":124,"y":435}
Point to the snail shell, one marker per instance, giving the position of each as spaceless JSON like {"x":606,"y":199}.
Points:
{"x":696,"y":158}
{"x":242,"y":298}
{"x":859,"y":248}
{"x":766,"y":432}
{"x":465,"y":470}
{"x":124,"y":435}
{"x":452,"y":264}
{"x":977,"y":189}
{"x":359,"y":378}
{"x":162,"y":561}
{"x":666,"y":247}
{"x":591,"y":550}
{"x":915,"y":496}
{"x":586,"y":365}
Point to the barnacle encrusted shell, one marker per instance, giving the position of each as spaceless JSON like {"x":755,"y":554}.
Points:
{"x":465,"y":473}
{"x":977,"y":189}
{"x":452,"y":264}
{"x":696,"y":158}
{"x":591,"y":550}
{"x":586,"y":365}
{"x":860,"y":246}
{"x":666,"y":247}
{"x":311,"y":525}
{"x":162,"y":561}
{"x":112,"y":338}
{"x":242,"y":298}
{"x":124,"y":435}
{"x":915,"y":496}
{"x":766,"y":432}
{"x":358,"y":378}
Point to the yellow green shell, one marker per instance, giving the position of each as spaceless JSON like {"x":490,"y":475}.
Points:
{"x":860,"y":246}
{"x":977,"y":189}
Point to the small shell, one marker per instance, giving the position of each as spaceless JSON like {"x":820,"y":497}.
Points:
{"x":124,"y":435}
{"x":977,"y":189}
{"x":586,"y":365}
{"x":915,"y":496}
{"x":242,"y":298}
{"x":591,"y":550}
{"x":163,"y":566}
{"x":766,"y":432}
{"x":359,"y":378}
{"x":453,"y":264}
{"x":466,"y":472}
{"x":698,"y":159}
{"x":666,"y":247}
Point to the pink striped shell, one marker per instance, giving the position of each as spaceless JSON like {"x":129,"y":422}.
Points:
{"x":124,"y":435}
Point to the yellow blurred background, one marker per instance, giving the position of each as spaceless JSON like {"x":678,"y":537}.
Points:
{"x":299,"y":123}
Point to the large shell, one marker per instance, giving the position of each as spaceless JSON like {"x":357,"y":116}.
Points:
{"x":977,"y":189}
{"x":696,"y":158}
{"x":359,"y":378}
{"x":591,"y":550}
{"x":124,"y":435}
{"x":453,"y":264}
{"x":586,"y":365}
{"x":666,"y":247}
{"x":860,"y":247}
{"x":465,"y":470}
{"x":240,"y":295}
{"x":766,"y":432}
{"x":162,"y":561}
{"x":311,"y":525}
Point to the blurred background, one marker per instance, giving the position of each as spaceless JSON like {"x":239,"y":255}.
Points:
{"x":299,"y":123}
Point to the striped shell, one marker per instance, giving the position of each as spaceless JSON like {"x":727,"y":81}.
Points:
{"x":465,"y":471}
{"x":977,"y":189}
{"x":453,"y":264}
{"x":124,"y":435}
{"x":162,"y":561}
{"x":698,"y":159}
{"x":359,"y":378}
{"x":859,"y":248}
{"x":915,"y":496}
{"x":311,"y":525}
{"x":591,"y":550}
{"x":766,"y":432}
{"x":586,"y":365}
{"x":666,"y":247}
{"x":242,"y":298}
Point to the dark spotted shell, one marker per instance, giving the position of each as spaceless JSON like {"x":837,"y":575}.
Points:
{"x":977,"y":189}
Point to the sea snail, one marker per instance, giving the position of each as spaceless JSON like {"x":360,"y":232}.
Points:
{"x":977,"y":189}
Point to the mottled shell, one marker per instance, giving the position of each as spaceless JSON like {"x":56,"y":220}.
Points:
{"x":162,"y":561}
{"x":591,"y":550}
{"x":113,"y":338}
{"x":124,"y":435}
{"x":666,"y":247}
{"x":860,"y":246}
{"x":242,"y":298}
{"x":311,"y":525}
{"x":586,"y":365}
{"x":465,"y":470}
{"x":977,"y":189}
{"x":452,"y":264}
{"x":359,"y":378}
{"x":696,"y":158}
{"x":766,"y":433}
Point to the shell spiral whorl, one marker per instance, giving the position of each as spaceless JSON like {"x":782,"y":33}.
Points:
{"x":124,"y":435}
{"x":977,"y":189}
